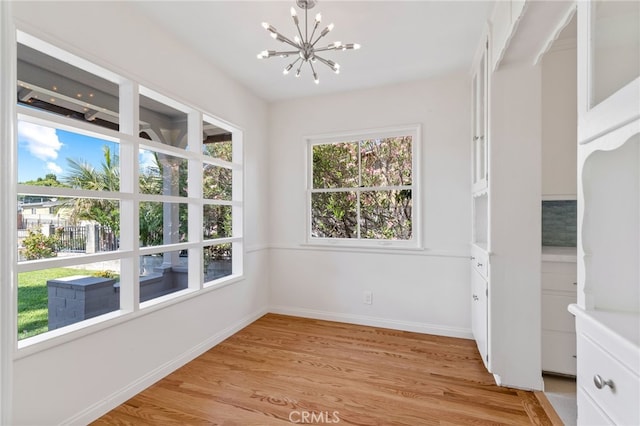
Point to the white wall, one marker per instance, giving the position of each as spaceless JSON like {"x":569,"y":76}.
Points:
{"x":427,"y":291}
{"x":83,"y":378}
{"x":560,"y":120}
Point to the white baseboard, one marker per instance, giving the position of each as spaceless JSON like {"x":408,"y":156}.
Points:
{"x":418,"y":327}
{"x":102,"y":407}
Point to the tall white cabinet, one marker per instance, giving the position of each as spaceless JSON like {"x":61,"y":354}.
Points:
{"x":480,"y":199}
{"x":608,"y":308}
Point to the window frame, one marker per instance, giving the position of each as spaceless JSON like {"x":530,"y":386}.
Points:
{"x":129,"y":196}
{"x":413,"y":130}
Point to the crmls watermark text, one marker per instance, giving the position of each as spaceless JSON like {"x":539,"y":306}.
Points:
{"x":314,"y":417}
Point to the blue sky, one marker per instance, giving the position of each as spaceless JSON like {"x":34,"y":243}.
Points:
{"x":43,"y":150}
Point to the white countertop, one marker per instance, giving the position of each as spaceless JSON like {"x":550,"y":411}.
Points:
{"x":559,"y":254}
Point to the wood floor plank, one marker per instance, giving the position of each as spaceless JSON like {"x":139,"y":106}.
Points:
{"x":281,"y":368}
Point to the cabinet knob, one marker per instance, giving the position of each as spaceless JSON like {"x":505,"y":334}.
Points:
{"x":475,"y":297}
{"x":479,"y":264}
{"x":473,"y":258}
{"x":601,"y":383}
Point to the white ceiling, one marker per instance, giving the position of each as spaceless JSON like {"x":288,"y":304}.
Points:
{"x":401,"y":40}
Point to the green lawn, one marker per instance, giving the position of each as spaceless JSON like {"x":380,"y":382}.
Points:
{"x":32,"y":299}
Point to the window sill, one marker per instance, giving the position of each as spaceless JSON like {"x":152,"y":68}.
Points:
{"x":393,"y":250}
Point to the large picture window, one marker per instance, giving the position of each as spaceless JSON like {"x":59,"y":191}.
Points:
{"x":126,"y":198}
{"x":362,"y":188}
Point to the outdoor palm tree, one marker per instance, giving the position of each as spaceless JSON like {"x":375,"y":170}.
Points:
{"x":83,"y":175}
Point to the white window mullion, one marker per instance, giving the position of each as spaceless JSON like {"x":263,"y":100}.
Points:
{"x":129,"y":208}
{"x":194,"y":183}
{"x":8,"y":214}
{"x":237,"y":195}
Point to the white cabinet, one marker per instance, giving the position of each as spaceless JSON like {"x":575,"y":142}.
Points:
{"x":608,"y":367}
{"x":480,"y":140}
{"x":480,"y":203}
{"x":558,"y":325}
{"x":608,"y":308}
{"x":479,"y":301}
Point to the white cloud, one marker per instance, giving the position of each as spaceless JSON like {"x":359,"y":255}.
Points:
{"x":41,"y":142}
{"x":54,"y":168}
{"x":146,"y":159}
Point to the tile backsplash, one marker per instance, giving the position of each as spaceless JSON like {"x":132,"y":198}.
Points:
{"x":559,"y":223}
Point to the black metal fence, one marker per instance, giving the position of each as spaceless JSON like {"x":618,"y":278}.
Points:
{"x":71,"y":239}
{"x":75,"y":239}
{"x":106,"y":239}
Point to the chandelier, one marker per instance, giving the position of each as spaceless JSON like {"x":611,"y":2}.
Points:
{"x":305,"y":44}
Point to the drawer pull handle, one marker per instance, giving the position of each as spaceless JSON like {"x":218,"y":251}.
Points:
{"x":601,"y":383}
{"x":479,"y":264}
{"x":473,"y":258}
{"x":475,"y":297}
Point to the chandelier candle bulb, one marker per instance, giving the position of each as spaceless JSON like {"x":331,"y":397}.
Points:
{"x":305,"y":44}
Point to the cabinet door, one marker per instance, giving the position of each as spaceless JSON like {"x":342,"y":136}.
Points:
{"x":479,"y":125}
{"x":479,"y":314}
{"x":608,"y":66}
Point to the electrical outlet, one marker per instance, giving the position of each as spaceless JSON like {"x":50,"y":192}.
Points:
{"x":367,"y":298}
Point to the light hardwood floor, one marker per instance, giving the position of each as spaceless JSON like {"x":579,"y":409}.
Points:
{"x":286,"y":370}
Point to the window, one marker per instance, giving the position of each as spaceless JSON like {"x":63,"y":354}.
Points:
{"x":140,"y":195}
{"x":362,"y":188}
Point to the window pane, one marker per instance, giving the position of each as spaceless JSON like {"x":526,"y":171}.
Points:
{"x":162,"y":174}
{"x":386,"y":215}
{"x":51,"y":85}
{"x":163,"y":273}
{"x":52,"y":298}
{"x":217,"y":261}
{"x":216,"y":221}
{"x":386,"y":162}
{"x":217,"y":142}
{"x":216,"y":183}
{"x":53,"y":157}
{"x":334,"y":215}
{"x":162,"y":123}
{"x":163,"y":223}
{"x":335,"y":165}
{"x":77,"y":226}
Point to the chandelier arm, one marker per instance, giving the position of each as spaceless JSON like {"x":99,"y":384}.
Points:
{"x":324,"y":61}
{"x":319,"y":37}
{"x":284,"y":39}
{"x":313,"y":70}
{"x":332,"y":65}
{"x":299,"y":31}
{"x":286,"y":52}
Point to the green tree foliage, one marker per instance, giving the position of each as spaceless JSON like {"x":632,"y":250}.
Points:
{"x":83,"y":175}
{"x":359,"y":172}
{"x":49,"y":180}
{"x":217,"y":185}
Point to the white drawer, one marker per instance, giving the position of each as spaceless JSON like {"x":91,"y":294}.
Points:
{"x":559,"y":352}
{"x":588,"y":412}
{"x":559,"y":276}
{"x":620,"y":403}
{"x":480,"y":261}
{"x":559,"y":282}
{"x":555,"y":315}
{"x":560,"y":268}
